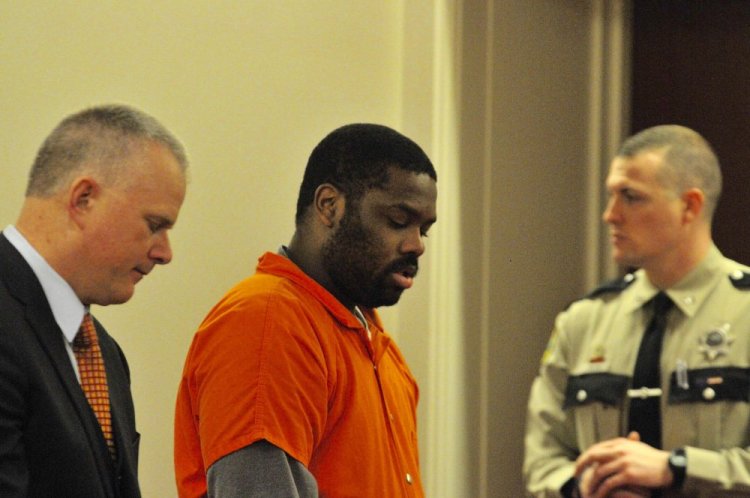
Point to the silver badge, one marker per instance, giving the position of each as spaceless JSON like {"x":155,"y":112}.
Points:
{"x":715,"y":342}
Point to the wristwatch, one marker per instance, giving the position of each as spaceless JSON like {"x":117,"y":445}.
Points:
{"x":678,"y":465}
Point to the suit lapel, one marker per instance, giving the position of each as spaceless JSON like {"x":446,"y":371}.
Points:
{"x":24,"y":286}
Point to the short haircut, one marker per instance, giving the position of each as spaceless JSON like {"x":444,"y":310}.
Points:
{"x":98,"y":136}
{"x":356,"y":158}
{"x":689,"y":160}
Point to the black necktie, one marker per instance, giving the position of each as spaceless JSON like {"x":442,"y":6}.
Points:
{"x":645,"y":414}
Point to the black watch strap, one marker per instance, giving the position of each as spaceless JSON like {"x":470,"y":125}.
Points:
{"x":678,"y":465}
{"x":570,"y":488}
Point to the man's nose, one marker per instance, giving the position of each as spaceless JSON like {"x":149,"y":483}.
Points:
{"x":414,"y":242}
{"x":161,"y":251}
{"x":611,"y":213}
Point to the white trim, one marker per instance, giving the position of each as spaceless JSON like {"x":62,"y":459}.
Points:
{"x":445,"y":467}
{"x":608,"y":117}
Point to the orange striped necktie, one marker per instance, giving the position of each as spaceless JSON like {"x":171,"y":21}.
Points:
{"x":94,"y":378}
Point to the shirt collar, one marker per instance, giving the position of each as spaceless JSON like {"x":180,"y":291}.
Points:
{"x":279,"y":263}
{"x":66,"y":307}
{"x":691,"y":291}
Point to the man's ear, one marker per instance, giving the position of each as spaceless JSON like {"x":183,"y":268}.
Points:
{"x":83,"y":192}
{"x":695,"y":203}
{"x":329,"y":204}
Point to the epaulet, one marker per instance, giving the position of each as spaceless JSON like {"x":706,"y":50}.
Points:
{"x":740,"y":279}
{"x":617,"y":285}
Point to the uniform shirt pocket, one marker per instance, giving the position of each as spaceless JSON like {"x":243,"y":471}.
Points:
{"x":596,"y":402}
{"x":710,"y":406}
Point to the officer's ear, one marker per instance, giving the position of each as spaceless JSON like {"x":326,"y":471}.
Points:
{"x":695,"y":202}
{"x":329,"y":204}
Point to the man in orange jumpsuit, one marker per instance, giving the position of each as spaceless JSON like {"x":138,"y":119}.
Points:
{"x":291,"y":386}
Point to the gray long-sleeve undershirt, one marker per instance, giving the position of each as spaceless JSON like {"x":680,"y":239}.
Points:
{"x":260,"y":470}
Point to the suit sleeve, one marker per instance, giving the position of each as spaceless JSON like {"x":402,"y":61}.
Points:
{"x":14,"y":473}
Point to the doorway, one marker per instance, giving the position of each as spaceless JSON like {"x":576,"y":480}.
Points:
{"x":691,"y":66}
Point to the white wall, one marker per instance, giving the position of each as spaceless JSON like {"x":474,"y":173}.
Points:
{"x":249,"y":87}
{"x":506,"y":97}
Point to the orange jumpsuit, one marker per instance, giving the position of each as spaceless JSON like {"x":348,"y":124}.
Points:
{"x":280,"y":359}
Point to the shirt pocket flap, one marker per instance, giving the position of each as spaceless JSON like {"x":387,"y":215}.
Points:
{"x":606,"y":388}
{"x":711,"y":384}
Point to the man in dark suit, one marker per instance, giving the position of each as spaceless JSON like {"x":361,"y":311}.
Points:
{"x":104,"y":190}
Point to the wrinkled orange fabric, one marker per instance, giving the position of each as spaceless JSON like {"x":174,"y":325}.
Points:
{"x":280,"y":359}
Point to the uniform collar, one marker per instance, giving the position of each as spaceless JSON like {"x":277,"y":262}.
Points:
{"x":691,"y":291}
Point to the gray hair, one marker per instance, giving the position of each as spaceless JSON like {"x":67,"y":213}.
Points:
{"x":689,"y":161}
{"x":101,"y":135}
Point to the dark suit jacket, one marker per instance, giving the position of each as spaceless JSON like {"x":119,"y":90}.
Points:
{"x":50,"y":441}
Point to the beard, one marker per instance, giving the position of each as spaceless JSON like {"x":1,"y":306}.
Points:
{"x":355,"y":260}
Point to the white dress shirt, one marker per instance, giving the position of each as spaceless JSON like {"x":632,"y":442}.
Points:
{"x":67,"y":309}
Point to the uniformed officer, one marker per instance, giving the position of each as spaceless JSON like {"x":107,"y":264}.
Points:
{"x":583,"y":437}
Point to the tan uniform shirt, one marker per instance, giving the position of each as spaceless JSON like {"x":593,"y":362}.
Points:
{"x":581,"y":394}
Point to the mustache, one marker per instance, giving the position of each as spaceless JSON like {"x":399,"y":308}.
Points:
{"x":408,"y":263}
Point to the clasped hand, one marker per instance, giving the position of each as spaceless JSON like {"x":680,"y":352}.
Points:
{"x":623,"y":467}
